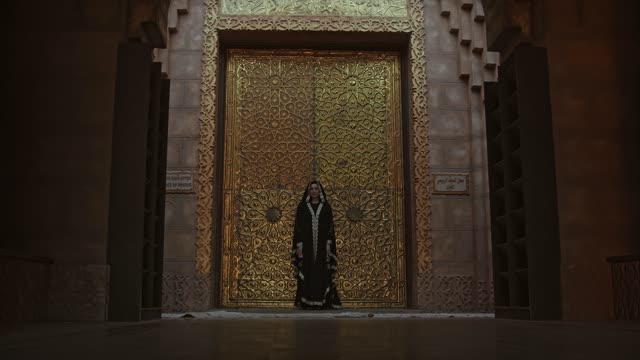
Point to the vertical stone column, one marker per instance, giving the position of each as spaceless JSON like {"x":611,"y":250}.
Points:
{"x":457,"y":66}
{"x":183,"y":287}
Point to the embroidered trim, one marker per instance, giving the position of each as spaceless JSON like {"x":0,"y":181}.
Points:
{"x":315,"y":216}
{"x":314,"y":303}
{"x":324,"y":300}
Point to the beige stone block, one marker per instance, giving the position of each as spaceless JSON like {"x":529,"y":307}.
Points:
{"x":433,"y":18}
{"x":454,"y":16}
{"x":478,"y":126}
{"x":169,"y":210}
{"x":179,"y":245}
{"x":449,"y":124}
{"x":178,"y":39}
{"x":192,"y":93}
{"x":174,"y":152}
{"x":176,"y":95}
{"x":439,"y":40}
{"x":465,"y":28}
{"x":448,"y":96}
{"x":464,"y":63}
{"x":179,"y":267}
{"x":451,"y":213}
{"x":477,"y":74}
{"x":180,"y":212}
{"x":432,"y":6}
{"x":479,"y":38}
{"x":441,"y":246}
{"x":480,"y":211}
{"x":483,"y":258}
{"x":185,"y":65}
{"x":438,"y":213}
{"x":452,"y":246}
{"x":479,"y":181}
{"x":449,"y":154}
{"x":442,"y":67}
{"x":478,"y":152}
{"x":189,"y":33}
{"x":184,"y":122}
{"x":459,"y":214}
{"x":190,"y":152}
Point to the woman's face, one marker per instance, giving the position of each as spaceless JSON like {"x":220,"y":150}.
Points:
{"x":314,"y":191}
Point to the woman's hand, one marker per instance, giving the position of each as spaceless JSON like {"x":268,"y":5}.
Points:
{"x":299,"y":252}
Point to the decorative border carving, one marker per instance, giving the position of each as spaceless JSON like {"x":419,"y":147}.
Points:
{"x":454,"y":293}
{"x":422,"y":183}
{"x":311,"y":7}
{"x":185,"y":292}
{"x":485,"y":296}
{"x":439,"y":293}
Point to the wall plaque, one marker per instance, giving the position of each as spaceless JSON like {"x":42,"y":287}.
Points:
{"x":179,"y":182}
{"x":451,"y":184}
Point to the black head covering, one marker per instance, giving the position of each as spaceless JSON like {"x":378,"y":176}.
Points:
{"x":306,"y":197}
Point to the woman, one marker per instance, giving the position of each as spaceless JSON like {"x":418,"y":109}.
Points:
{"x":314,"y":251}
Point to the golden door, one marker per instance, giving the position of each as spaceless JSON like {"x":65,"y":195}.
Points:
{"x":294,"y":116}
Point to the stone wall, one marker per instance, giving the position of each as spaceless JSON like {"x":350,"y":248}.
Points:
{"x":593,"y":55}
{"x":183,"y":288}
{"x":64,"y":83}
{"x":458,"y":64}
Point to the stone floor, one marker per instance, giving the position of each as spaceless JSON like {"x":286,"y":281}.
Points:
{"x":340,"y":335}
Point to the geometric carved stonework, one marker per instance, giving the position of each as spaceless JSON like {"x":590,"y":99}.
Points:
{"x":454,"y":294}
{"x":441,"y":293}
{"x":185,"y":292}
{"x":316,"y":7}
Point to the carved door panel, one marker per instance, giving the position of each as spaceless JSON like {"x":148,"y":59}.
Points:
{"x":292,"y":116}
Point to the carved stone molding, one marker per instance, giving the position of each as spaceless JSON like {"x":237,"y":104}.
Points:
{"x":185,"y":292}
{"x":454,"y":293}
{"x":485,"y":296}
{"x":476,"y":65}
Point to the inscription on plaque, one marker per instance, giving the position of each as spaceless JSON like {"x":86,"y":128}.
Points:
{"x":451,"y":184}
{"x":179,"y":182}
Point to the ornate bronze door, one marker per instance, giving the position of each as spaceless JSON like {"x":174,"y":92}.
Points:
{"x":292,"y":116}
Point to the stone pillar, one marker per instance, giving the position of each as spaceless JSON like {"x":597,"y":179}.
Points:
{"x":458,"y":64}
{"x":184,"y":288}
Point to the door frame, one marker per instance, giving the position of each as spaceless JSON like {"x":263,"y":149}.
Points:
{"x":315,"y":40}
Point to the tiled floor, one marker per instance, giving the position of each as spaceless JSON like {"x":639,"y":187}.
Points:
{"x":376,"y":336}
